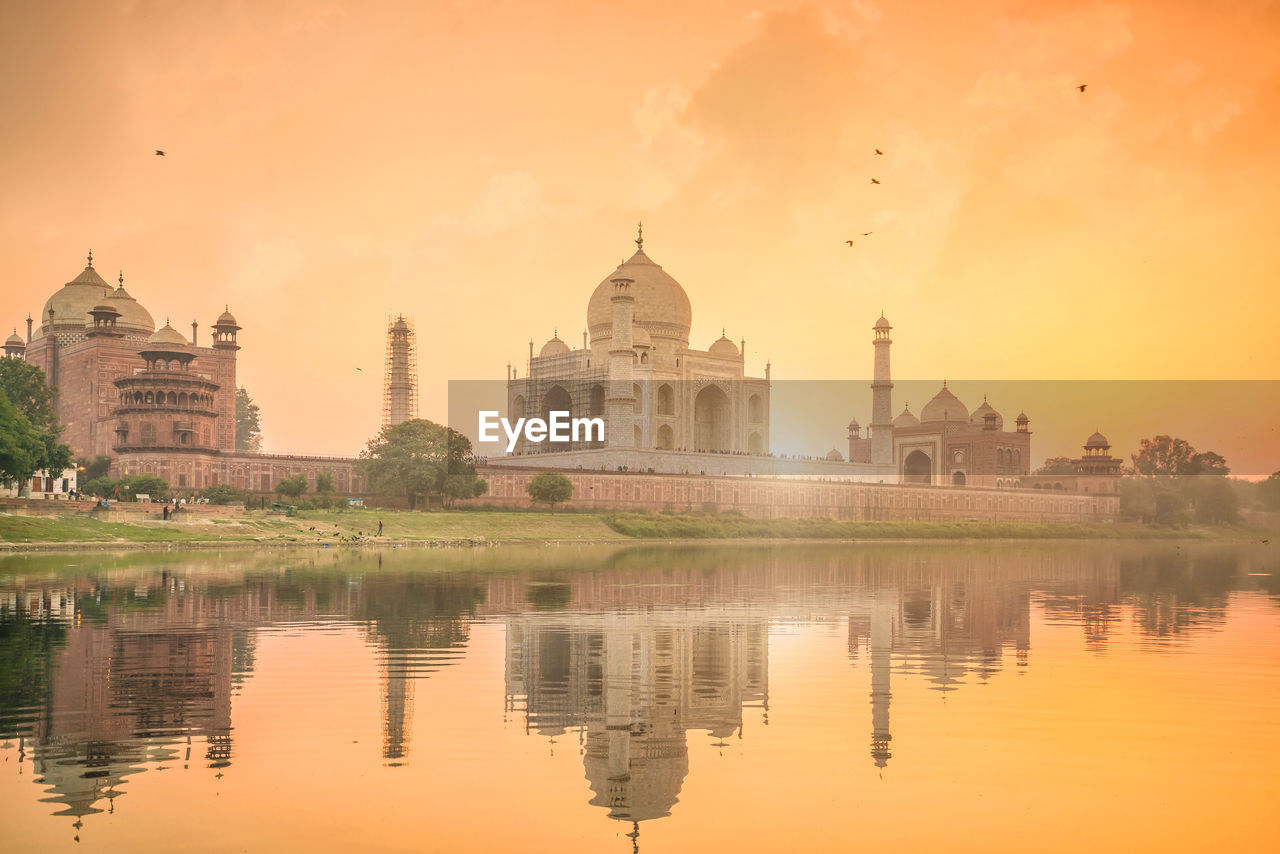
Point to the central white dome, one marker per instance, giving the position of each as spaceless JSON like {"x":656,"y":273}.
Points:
{"x":661,"y":306}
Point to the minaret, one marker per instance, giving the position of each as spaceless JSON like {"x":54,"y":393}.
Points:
{"x":619,"y":403}
{"x":400,"y":379}
{"x":882,"y":397}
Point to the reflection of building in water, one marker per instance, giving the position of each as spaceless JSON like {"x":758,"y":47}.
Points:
{"x":125,"y":696}
{"x":632,"y":685}
{"x":942,"y":631}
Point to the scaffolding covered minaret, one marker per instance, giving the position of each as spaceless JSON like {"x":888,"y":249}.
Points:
{"x":400,"y":381}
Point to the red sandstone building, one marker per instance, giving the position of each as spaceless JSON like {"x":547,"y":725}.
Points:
{"x":152,"y":400}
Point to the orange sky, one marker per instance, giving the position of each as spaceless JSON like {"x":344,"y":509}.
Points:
{"x":481,"y":166}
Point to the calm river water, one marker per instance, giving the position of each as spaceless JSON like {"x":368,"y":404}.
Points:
{"x":960,"y":697}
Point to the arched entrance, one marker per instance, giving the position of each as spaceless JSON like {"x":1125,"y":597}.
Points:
{"x":666,"y":438}
{"x":957,"y":478}
{"x":917,"y":468}
{"x":555,"y":400}
{"x":711,"y":420}
{"x":755,"y":444}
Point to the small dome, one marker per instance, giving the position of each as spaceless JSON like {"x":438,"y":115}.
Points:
{"x":103,"y":309}
{"x":132,"y":315}
{"x":853,"y":424}
{"x":167,"y":336}
{"x":1022,"y":418}
{"x":554,"y":347}
{"x":1097,"y":440}
{"x":906,"y":419}
{"x":945,"y":406}
{"x":882,"y":323}
{"x":14,"y":340}
{"x":979,"y":417}
{"x":723,"y":347}
{"x":227,"y":319}
{"x":640,"y":337}
{"x":835,"y":456}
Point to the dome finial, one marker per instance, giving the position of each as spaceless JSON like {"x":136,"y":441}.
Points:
{"x":121,"y":278}
{"x":639,"y":236}
{"x":91,"y":258}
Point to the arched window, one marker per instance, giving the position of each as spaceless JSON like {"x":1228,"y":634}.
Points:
{"x":755,"y":409}
{"x":755,"y":443}
{"x":182,"y":400}
{"x":666,"y":401}
{"x":517,"y":407}
{"x":173,"y":399}
{"x":1017,"y":456}
{"x":639,"y":434}
{"x":638,"y":394}
{"x":666,"y":438}
{"x":644,"y":358}
{"x":148,"y":398}
{"x":596,"y":405}
{"x":999,"y":456}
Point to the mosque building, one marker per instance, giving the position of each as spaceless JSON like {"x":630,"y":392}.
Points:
{"x":154,"y":401}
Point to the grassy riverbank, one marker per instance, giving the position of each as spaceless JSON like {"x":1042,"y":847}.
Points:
{"x":360,"y":526}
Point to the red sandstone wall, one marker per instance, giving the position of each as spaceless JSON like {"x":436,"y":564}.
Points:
{"x":777,"y":498}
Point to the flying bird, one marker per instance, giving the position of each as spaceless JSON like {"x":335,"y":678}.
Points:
{"x":159,"y":153}
{"x":874,"y":181}
{"x":866,"y":234}
{"x":850,"y":242}
{"x":361,"y":370}
{"x":1082,"y":86}
{"x":878,"y":151}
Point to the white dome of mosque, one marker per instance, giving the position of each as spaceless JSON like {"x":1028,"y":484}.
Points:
{"x":661,"y":306}
{"x":72,"y":303}
{"x":945,"y":406}
{"x":554,"y":347}
{"x":979,"y":416}
{"x":834,"y":456}
{"x":722,"y":346}
{"x":14,"y":340}
{"x":882,"y":323}
{"x":906,"y":419}
{"x":1097,"y":440}
{"x":167,"y":336}
{"x":640,"y":337}
{"x":227,"y":319}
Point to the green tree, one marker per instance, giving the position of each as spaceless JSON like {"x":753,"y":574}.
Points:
{"x":222,"y":493}
{"x":28,"y":390}
{"x":1164,"y":455}
{"x":1215,"y":500}
{"x":22,"y":445}
{"x":415,"y":459}
{"x":1269,"y":491}
{"x":248,"y":427}
{"x":99,"y":466}
{"x":324,"y":484}
{"x":293,"y":487}
{"x":550,"y":488}
{"x":1208,"y":463}
{"x":102,"y":487}
{"x":1138,"y":499}
{"x":133,"y":485}
{"x":1056,"y":465}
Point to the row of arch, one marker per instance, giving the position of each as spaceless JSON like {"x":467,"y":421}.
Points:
{"x":159,"y":397}
{"x":1008,"y":456}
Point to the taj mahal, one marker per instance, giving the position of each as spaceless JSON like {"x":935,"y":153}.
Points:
{"x":672,"y":409}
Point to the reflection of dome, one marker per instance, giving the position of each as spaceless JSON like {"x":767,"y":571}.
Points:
{"x":906,"y":419}
{"x":723,"y":347}
{"x":980,"y":414}
{"x":554,"y":347}
{"x":661,"y":305}
{"x":166,"y":336}
{"x":1097,"y":440}
{"x":835,"y":456}
{"x":945,"y":406}
{"x":653,"y":761}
